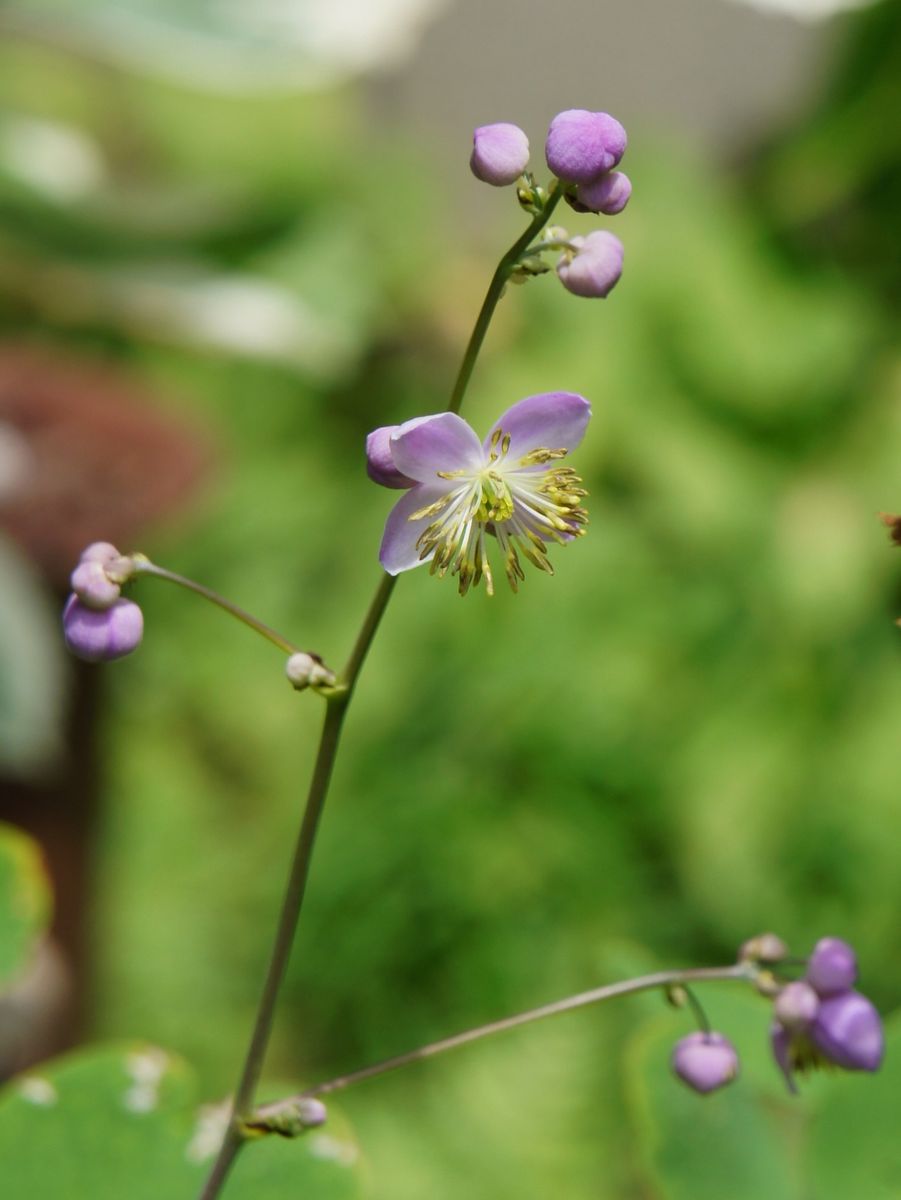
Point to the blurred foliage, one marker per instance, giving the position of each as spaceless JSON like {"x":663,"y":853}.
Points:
{"x":24,"y":902}
{"x":686,"y":737}
{"x":31,"y":669}
{"x":123,"y":1121}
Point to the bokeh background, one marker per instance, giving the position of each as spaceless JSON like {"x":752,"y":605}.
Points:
{"x":233,"y":239}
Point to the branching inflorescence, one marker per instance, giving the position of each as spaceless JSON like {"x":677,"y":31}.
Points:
{"x":509,"y":496}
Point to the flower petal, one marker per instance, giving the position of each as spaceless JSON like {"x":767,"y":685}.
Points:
{"x":442,"y":442}
{"x":398,"y":551}
{"x":553,"y":420}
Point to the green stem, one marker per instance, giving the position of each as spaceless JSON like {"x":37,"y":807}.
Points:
{"x":492,"y":296}
{"x":336,"y":708}
{"x":143,"y":566}
{"x":337,"y":704}
{"x":610,"y":991}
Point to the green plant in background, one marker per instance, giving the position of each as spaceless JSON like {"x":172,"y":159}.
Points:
{"x":462,"y":496}
{"x":736,"y":698}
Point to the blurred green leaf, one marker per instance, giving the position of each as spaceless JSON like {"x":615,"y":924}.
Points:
{"x":31,"y":667}
{"x":112,"y":1122}
{"x":727,"y":1143}
{"x":25,"y":900}
{"x":854,"y":1149}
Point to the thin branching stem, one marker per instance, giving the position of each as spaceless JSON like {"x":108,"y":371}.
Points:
{"x":337,"y":704}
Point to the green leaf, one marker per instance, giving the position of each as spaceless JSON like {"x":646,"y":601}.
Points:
{"x":25,"y":901}
{"x":735,"y":1142}
{"x":117,"y":1121}
{"x":854,"y":1148}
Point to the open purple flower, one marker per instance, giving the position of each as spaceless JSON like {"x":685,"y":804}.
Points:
{"x":510,"y":487}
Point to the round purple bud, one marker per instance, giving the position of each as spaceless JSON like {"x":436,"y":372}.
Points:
{"x":705,"y":1061}
{"x":848,"y":1030}
{"x":379,"y":461}
{"x":595,"y":267}
{"x":582,"y":145}
{"x":609,"y":193}
{"x":796,"y":1006}
{"x":832,"y":967}
{"x":92,"y":586}
{"x":102,"y":636}
{"x":101,"y":552}
{"x":500,"y":153}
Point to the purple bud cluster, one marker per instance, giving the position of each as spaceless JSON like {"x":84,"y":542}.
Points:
{"x":817,"y":1020}
{"x":582,"y":149}
{"x":822,"y":1019}
{"x":99,"y":625}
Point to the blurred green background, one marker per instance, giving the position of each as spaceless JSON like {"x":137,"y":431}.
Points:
{"x":218,"y":272}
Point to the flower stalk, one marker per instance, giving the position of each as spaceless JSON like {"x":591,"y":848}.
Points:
{"x":272,"y":1115}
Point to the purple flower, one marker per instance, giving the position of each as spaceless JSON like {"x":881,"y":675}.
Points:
{"x":100,"y":636}
{"x":705,"y":1061}
{"x":510,"y":487}
{"x":832,"y":967}
{"x":608,"y":193}
{"x":500,"y":153}
{"x":848,"y":1031}
{"x":594,"y":267}
{"x":820,"y":1019}
{"x":582,"y":145}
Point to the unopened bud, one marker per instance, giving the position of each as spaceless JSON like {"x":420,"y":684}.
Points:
{"x":765,"y":947}
{"x":796,"y":1006}
{"x":705,"y":1061}
{"x":307,"y":670}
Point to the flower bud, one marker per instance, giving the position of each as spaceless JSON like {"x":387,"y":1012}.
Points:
{"x":101,"y":552}
{"x":311,"y":1112}
{"x":705,"y":1061}
{"x":595,"y":267}
{"x":832,"y":967}
{"x":609,"y":193}
{"x":101,"y":636}
{"x":500,"y":153}
{"x":796,"y":1006}
{"x":93,"y":587}
{"x":582,"y":145}
{"x":306,"y":670}
{"x":765,"y":947}
{"x":848,"y":1031}
{"x":379,"y":463}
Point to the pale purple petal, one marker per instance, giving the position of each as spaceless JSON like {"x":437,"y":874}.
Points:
{"x":442,"y":442}
{"x":552,"y":420}
{"x":398,"y":551}
{"x":380,"y":462}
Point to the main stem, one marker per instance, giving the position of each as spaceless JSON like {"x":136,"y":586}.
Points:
{"x":336,"y":710}
{"x":489,"y":304}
